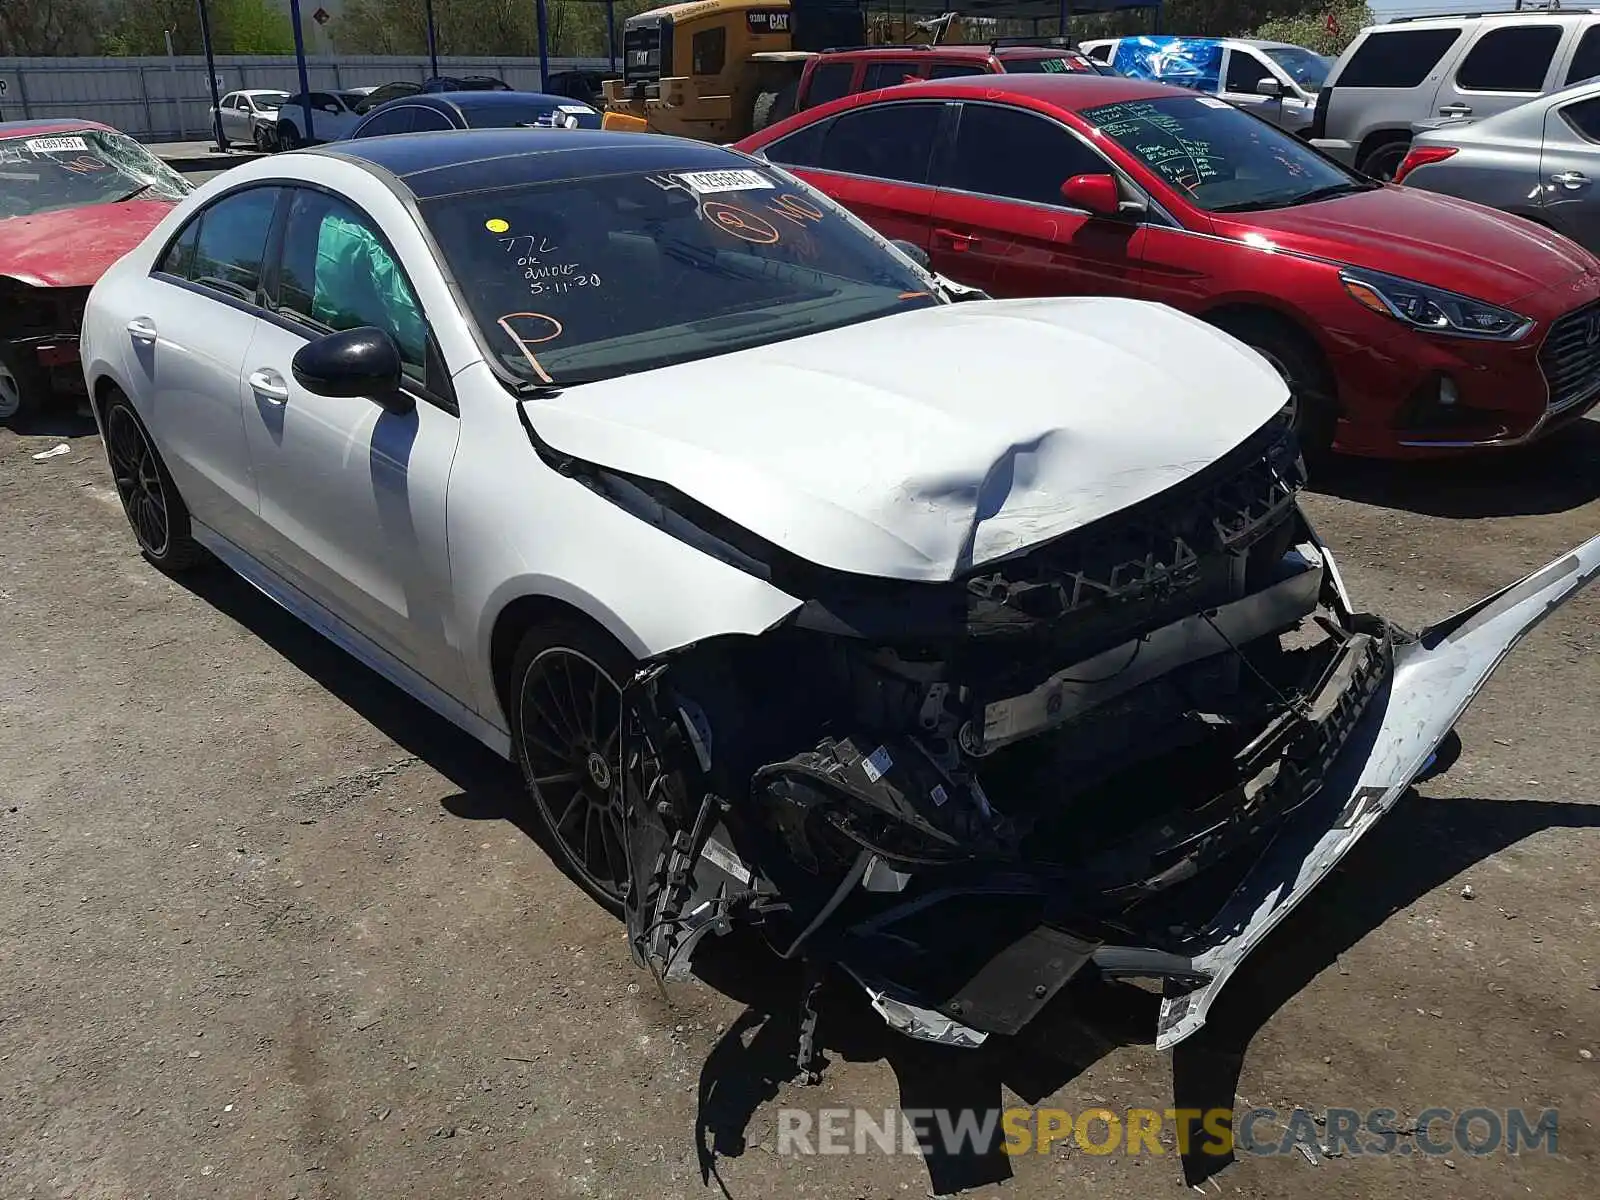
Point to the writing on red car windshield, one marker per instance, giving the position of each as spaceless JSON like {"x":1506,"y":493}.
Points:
{"x":1223,"y":159}
{"x":62,"y":171}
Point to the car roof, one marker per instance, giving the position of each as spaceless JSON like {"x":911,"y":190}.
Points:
{"x":491,"y":100}
{"x":48,"y":125}
{"x":443,"y":163}
{"x":1071,"y":90}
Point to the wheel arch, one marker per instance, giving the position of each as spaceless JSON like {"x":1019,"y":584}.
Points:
{"x":1239,"y":309}
{"x":1377,"y":138}
{"x":526,"y":609}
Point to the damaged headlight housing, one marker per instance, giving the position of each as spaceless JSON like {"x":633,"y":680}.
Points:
{"x":1433,"y":309}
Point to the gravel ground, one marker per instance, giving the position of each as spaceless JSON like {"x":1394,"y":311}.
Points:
{"x":269,"y":929}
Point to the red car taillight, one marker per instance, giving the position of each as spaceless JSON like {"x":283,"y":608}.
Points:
{"x":1421,"y":156}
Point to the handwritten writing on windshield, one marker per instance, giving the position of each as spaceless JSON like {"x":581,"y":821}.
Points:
{"x":1162,"y":140}
{"x":759,"y":205}
{"x":543,"y":266}
{"x":530,"y":329}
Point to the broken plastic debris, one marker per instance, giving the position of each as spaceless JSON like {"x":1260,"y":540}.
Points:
{"x":54,"y":451}
{"x":1466,"y":891}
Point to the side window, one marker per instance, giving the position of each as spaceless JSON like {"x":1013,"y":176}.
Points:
{"x":955,"y":70}
{"x":1245,"y":70}
{"x":336,"y":273}
{"x":709,"y":51}
{"x":886,"y":74}
{"x":1101,"y":54}
{"x":1586,"y":58}
{"x":322,"y":100}
{"x":829,"y":81}
{"x":1584,"y":117}
{"x":1017,"y":155}
{"x":802,"y":148}
{"x":427,"y":119}
{"x":232,"y":239}
{"x":393,"y":120}
{"x":1396,"y":58}
{"x":883,"y":141}
{"x":179,"y":258}
{"x":1510,"y":60}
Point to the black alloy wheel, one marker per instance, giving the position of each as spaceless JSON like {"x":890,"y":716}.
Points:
{"x":569,"y":742}
{"x":154,"y":509}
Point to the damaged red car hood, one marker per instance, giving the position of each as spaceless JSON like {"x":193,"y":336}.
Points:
{"x":919,"y":445}
{"x":74,"y":246}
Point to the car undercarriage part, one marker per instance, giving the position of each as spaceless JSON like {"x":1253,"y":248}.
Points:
{"x":964,"y":794}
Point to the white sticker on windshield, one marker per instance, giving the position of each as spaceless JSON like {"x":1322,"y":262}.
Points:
{"x":1210,"y":103}
{"x":580,"y":109}
{"x":50,"y":145}
{"x":709,"y":183}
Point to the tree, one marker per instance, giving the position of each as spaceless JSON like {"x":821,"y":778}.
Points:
{"x":478,"y":27}
{"x":47,"y":26}
{"x":237,"y":27}
{"x":1311,"y":29}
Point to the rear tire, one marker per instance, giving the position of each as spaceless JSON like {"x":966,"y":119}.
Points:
{"x":23,"y":385}
{"x":150,"y":500}
{"x":564,"y":702}
{"x":1384,"y":159}
{"x":1313,"y":395}
{"x":772,"y":107}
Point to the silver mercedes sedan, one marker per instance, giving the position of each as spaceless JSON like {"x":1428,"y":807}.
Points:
{"x":1540,"y":160}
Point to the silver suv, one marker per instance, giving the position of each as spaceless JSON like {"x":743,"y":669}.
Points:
{"x":1418,"y":69}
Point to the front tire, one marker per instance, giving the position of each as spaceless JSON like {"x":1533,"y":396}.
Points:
{"x":1313,"y":403}
{"x":772,"y":106}
{"x":288,"y":136}
{"x":23,"y":385}
{"x":150,"y":500}
{"x":565,"y":701}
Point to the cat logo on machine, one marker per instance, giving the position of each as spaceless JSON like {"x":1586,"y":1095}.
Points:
{"x":767,"y":20}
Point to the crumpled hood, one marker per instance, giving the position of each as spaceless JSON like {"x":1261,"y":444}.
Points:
{"x":928,"y":442}
{"x":1419,"y":235}
{"x":74,"y":246}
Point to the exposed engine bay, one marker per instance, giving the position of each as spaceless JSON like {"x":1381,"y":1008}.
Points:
{"x":1132,"y":749}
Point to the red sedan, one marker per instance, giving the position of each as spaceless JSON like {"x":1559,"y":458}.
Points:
{"x":75,"y":196}
{"x":1406,"y":323}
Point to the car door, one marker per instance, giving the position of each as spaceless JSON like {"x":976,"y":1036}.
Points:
{"x":352,"y":490}
{"x":189,"y":328}
{"x":874,"y":160}
{"x":1569,"y":170}
{"x":1000,"y":222}
{"x":1242,"y":70}
{"x":227,"y":113}
{"x":1508,"y":64}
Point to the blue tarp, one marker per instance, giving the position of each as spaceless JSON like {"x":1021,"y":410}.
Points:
{"x":1182,"y":61}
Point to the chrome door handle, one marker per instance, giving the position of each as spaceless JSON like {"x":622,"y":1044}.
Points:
{"x":269,"y":384}
{"x":1456,"y":110}
{"x":142,"y":329}
{"x":1571,"y":180}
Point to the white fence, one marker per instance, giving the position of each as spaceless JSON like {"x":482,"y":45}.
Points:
{"x":162,"y":98}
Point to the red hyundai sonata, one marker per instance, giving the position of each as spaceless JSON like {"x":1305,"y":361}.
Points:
{"x":1406,"y":323}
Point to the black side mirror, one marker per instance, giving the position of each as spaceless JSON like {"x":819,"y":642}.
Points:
{"x":914,"y":252}
{"x":354,"y":362}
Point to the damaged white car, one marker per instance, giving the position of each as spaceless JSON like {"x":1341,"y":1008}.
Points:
{"x":962,"y":647}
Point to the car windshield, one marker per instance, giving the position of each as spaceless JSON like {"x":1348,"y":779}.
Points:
{"x":1060,"y":64}
{"x":50,"y":172}
{"x":351,"y":99}
{"x":1220,"y":158}
{"x":589,"y":278}
{"x":270,"y":99}
{"x":1305,"y":68}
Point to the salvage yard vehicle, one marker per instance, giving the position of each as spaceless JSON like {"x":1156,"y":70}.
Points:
{"x":333,"y":116}
{"x":248,"y":115}
{"x":960,"y":673}
{"x":1406,"y":324}
{"x":719,"y":69}
{"x":432,"y":111}
{"x":74,"y":197}
{"x":1539,"y":160}
{"x":1278,"y":81}
{"x":1472,"y":64}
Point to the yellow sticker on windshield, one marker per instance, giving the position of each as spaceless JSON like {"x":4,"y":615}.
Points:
{"x":496,"y":225}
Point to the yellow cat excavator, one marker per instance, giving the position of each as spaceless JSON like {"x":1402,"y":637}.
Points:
{"x":717,"y":70}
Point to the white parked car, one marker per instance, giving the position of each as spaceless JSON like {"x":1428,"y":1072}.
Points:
{"x":250,"y":115}
{"x":948,"y":642}
{"x":333,"y":116}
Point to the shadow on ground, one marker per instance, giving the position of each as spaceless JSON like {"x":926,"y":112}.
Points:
{"x":1553,"y":476}
{"x":755,"y":1059}
{"x":61,"y":419}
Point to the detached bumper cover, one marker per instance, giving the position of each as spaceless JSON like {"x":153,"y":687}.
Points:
{"x":1435,"y":678}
